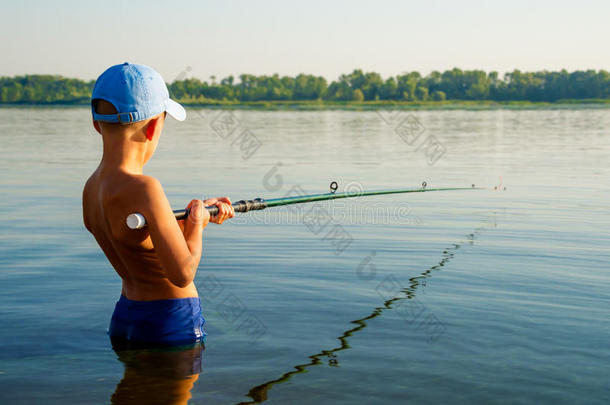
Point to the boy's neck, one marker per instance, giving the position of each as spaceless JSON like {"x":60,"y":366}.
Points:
{"x":120,"y":153}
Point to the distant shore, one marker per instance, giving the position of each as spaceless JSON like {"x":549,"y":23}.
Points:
{"x":358,"y":90}
{"x":321,"y":105}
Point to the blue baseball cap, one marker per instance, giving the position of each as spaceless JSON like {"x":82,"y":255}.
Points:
{"x":137,"y":92}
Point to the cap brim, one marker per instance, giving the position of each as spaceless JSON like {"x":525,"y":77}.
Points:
{"x":175,"y":110}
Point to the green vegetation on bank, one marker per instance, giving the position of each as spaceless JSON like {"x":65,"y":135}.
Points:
{"x":354,"y":90}
{"x":44,"y":89}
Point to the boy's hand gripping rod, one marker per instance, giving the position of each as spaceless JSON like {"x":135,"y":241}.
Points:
{"x":137,"y":221}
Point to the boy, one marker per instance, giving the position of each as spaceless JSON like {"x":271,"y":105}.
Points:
{"x":159,"y":303}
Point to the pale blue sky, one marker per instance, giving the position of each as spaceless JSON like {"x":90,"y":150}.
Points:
{"x":82,"y":38}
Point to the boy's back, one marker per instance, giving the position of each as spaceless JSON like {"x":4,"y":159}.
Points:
{"x":108,"y":197}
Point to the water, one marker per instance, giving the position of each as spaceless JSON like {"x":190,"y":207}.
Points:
{"x":462,"y":297}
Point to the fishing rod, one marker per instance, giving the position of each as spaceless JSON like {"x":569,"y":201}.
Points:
{"x":137,"y":220}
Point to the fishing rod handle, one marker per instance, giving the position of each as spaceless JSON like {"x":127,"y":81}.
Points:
{"x":137,"y":220}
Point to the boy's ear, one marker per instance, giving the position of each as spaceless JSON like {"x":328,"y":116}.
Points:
{"x":96,"y":125}
{"x":150,"y":128}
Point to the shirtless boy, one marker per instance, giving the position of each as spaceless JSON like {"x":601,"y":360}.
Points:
{"x":157,"y":264}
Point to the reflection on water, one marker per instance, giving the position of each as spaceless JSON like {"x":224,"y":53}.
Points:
{"x":157,"y":375}
{"x":259,"y":393}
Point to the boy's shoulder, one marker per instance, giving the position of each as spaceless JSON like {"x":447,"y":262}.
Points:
{"x":110,"y":199}
{"x":120,"y":192}
{"x":142,"y":182}
{"x":123,"y":183}
{"x":135,"y":191}
{"x":146,"y":186}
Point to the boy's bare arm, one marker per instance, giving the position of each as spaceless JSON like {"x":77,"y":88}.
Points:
{"x":178,"y":250}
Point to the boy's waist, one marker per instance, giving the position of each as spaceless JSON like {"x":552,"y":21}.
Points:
{"x":155,"y":289}
{"x":158,"y":303}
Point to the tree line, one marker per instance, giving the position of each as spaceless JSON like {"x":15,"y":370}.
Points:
{"x":357,"y":86}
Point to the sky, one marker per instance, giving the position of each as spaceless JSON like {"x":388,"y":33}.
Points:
{"x":203,"y":38}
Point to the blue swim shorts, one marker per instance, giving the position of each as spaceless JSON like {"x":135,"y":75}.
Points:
{"x":167,"y":322}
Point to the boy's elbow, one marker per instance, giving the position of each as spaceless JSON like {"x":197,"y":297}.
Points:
{"x":182,"y":277}
{"x":181,"y":283}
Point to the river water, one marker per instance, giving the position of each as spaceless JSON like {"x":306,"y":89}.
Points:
{"x":480,"y":296}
